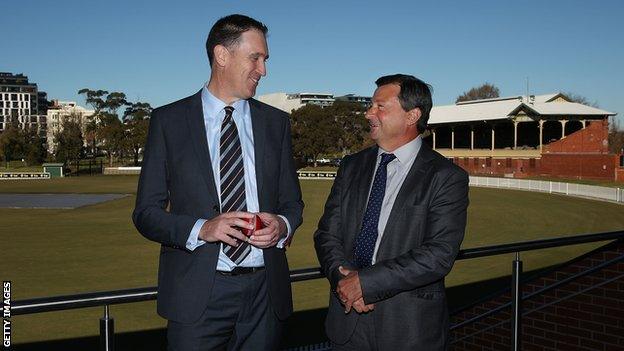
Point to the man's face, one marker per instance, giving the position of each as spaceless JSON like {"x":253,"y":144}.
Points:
{"x":390,"y":126}
{"x":246,"y":64}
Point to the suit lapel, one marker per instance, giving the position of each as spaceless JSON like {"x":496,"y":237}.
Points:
{"x":195,"y":119}
{"x":409,"y":189}
{"x":365,"y":176}
{"x":258,"y":125}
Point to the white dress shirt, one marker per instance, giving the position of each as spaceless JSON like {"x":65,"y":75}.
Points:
{"x":397,"y":170}
{"x":213,"y":118}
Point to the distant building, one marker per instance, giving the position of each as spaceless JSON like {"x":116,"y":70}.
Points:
{"x":365,"y":101}
{"x":288,"y":102}
{"x":57,"y":111}
{"x":21,"y":103}
{"x":543,"y":135}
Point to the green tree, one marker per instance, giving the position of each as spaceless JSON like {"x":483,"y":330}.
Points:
{"x":112,"y":134}
{"x":35,"y":150}
{"x":485,"y":91}
{"x":69,"y":139}
{"x":314,"y":132}
{"x":351,"y":124}
{"x":97,"y":100}
{"x":136,"y":118}
{"x":11,"y":143}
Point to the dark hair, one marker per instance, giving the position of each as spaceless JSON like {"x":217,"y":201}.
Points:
{"x":228,"y":30}
{"x":414,"y":93}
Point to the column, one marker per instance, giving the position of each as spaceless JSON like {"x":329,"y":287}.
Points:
{"x":584,"y":123}
{"x":452,"y":138}
{"x":541,"y":132}
{"x":515,"y":134}
{"x":434,"y":141}
{"x":471,"y":137}
{"x":563,"y":123}
{"x":492,"y":137}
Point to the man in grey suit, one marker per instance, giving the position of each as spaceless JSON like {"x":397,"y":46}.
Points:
{"x":392,"y":227}
{"x":212,"y":162}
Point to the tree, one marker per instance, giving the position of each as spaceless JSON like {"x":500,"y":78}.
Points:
{"x":97,"y":100}
{"x":485,"y":91}
{"x":616,"y":138}
{"x":69,"y":138}
{"x":112,"y":133}
{"x":34,"y":146}
{"x":580,"y":99}
{"x":351,"y":123}
{"x":11,"y":143}
{"x":136,"y":118}
{"x":314,"y":132}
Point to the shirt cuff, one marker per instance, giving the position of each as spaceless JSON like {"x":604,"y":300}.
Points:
{"x":193,"y":240}
{"x":282,"y":241}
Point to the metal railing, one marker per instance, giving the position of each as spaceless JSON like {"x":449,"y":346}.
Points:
{"x":107,"y":298}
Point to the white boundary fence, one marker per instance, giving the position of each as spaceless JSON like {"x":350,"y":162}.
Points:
{"x":570,"y":189}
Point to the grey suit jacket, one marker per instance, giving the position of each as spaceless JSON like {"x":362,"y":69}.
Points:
{"x":176,"y":187}
{"x":418,"y":248}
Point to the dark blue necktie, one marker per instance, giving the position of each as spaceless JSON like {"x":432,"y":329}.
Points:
{"x":365,"y":241}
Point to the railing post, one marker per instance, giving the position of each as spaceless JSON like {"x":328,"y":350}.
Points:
{"x":516,"y":304}
{"x":107,"y":332}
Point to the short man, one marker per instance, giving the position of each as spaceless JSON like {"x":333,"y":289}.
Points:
{"x":211,"y":161}
{"x":392,"y":227}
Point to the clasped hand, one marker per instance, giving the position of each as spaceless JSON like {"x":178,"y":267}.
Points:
{"x":226,"y":228}
{"x":349,"y":292}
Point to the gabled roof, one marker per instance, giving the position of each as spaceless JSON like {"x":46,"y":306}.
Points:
{"x":508,"y":107}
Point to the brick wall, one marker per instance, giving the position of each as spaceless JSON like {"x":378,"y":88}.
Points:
{"x":594,"y":138}
{"x":584,"y":314}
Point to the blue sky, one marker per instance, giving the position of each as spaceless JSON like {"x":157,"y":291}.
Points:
{"x":154,"y":50}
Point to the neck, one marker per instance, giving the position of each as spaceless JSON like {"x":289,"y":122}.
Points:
{"x":217,"y":88}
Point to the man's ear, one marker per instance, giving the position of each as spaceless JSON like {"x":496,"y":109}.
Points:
{"x":221,"y":55}
{"x":414,"y":115}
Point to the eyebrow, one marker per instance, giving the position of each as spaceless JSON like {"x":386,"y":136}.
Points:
{"x":258,"y":54}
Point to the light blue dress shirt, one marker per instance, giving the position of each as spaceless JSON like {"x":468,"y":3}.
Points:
{"x":213,"y":118}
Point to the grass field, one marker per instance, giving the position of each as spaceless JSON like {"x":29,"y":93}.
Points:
{"x":96,"y":248}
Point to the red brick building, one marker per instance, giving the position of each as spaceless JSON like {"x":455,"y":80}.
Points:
{"x":544,"y":135}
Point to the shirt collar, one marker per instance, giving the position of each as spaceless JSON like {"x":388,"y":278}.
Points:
{"x":213,"y":106}
{"x":406,"y":152}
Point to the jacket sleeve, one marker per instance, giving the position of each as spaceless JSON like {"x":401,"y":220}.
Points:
{"x":328,"y":238}
{"x":431,"y":261}
{"x":290,"y":204}
{"x":150,"y":216}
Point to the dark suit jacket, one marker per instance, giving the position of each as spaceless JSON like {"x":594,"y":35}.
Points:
{"x":177,"y":187}
{"x":418,"y":248}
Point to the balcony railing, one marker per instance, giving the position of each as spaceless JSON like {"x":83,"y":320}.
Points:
{"x":107,"y":298}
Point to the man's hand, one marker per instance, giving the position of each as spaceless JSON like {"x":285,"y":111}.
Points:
{"x":350,"y":291}
{"x":268,"y":236}
{"x":225,"y":228}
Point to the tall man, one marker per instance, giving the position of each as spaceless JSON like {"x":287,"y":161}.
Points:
{"x":392,"y":227}
{"x":211,"y":161}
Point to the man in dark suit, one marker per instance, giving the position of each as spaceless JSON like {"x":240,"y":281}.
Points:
{"x":392,"y":227}
{"x":212,"y":161}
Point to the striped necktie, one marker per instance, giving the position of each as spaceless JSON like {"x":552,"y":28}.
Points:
{"x":232,"y":180}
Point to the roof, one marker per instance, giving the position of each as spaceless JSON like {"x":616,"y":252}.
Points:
{"x":508,"y":107}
